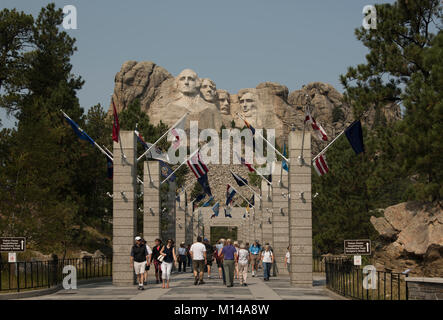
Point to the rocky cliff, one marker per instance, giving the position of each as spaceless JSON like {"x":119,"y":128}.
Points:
{"x":269,"y":105}
{"x":412,"y":238}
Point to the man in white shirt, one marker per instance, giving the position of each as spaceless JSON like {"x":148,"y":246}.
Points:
{"x":198,"y":255}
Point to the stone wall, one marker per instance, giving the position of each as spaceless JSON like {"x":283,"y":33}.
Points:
{"x":425,"y":288}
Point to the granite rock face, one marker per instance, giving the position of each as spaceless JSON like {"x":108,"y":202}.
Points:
{"x":413,"y":234}
{"x":269,"y":105}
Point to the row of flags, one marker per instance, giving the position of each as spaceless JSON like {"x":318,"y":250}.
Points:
{"x":198,"y":167}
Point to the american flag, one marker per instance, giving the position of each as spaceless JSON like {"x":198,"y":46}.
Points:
{"x":197,"y":166}
{"x":320,"y":132}
{"x":320,"y":165}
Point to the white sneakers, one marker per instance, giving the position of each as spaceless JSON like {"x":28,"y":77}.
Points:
{"x":253,"y":273}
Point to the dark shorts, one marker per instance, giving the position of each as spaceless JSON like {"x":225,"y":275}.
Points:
{"x":209,"y":262}
{"x":198,"y":265}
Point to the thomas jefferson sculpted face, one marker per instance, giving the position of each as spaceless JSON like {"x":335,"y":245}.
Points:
{"x":188,"y":82}
{"x":248,"y":104}
{"x":208,"y":90}
{"x":224,"y":102}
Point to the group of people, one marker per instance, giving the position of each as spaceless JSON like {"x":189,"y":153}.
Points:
{"x":233,"y":260}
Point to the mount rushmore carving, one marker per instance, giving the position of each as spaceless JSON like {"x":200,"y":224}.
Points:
{"x":269,"y":105}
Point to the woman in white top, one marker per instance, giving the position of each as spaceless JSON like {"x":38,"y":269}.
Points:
{"x":242,"y":263}
{"x":267,"y":259}
{"x":287,"y":259}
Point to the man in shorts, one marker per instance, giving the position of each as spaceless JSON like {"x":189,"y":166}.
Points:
{"x":198,"y":254}
{"x":139,"y":258}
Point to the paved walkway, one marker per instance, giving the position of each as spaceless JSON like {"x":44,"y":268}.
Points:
{"x":182,"y":288}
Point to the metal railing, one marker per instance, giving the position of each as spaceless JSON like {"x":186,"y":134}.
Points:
{"x":28,"y":275}
{"x":346,"y":279}
{"x":318,"y":264}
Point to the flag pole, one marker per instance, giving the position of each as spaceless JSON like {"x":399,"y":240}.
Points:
{"x":248,"y":186}
{"x":119,"y":136}
{"x":301,"y":160}
{"x":110,"y":153}
{"x":255,"y":170}
{"x":324,"y":150}
{"x":180,"y":165}
{"x":242,"y":196}
{"x":95,"y":143}
{"x":280,"y":183}
{"x":278,"y":152}
{"x":162,"y":136}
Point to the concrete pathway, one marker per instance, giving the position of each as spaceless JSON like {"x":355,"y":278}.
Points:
{"x":182,"y":288}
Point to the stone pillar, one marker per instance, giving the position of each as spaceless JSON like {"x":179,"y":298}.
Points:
{"x":300,"y":210}
{"x":180,"y":214}
{"x":151,"y":202}
{"x":170,"y":212}
{"x":280,"y":217}
{"x":266,"y":218}
{"x":124,"y":207}
{"x":196,"y":224}
{"x":189,"y":229}
{"x":257,"y":224}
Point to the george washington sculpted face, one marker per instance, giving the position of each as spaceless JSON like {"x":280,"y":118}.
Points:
{"x":188,"y":82}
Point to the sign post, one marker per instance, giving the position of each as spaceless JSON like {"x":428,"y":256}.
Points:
{"x":357,"y":247}
{"x":357,"y":260}
{"x":12,"y":257}
{"x":12,"y":244}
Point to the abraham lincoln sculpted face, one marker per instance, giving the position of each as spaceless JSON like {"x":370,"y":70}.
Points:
{"x":248,"y":104}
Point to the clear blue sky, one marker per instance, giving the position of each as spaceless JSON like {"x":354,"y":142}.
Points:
{"x":237,"y":43}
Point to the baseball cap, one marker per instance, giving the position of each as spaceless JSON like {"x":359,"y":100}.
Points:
{"x":137,"y":238}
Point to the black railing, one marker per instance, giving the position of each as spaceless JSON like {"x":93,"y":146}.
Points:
{"x":318,"y":264}
{"x":348,"y":280}
{"x":28,"y":275}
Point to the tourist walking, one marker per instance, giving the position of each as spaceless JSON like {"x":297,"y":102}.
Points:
{"x":139,"y":257}
{"x":221,"y":270}
{"x":229,"y":255}
{"x":154,"y":259}
{"x":237,"y":248}
{"x":209,"y":256}
{"x":267,"y":258}
{"x":198,"y":254}
{"x":148,"y":262}
{"x":254,"y":251}
{"x":188,"y":255}
{"x":288,"y":260}
{"x":170,"y":258}
{"x":243,"y":262}
{"x":182,"y":257}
